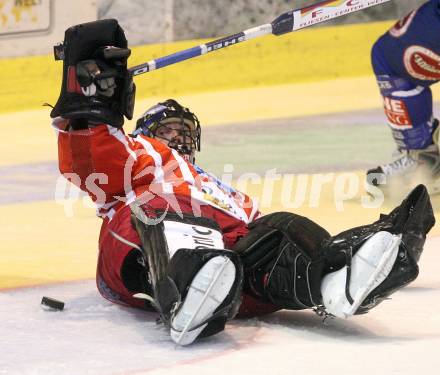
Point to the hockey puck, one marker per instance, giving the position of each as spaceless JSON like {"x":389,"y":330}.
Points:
{"x":52,"y":303}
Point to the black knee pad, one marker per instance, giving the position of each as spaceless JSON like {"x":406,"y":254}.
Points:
{"x":282,"y":260}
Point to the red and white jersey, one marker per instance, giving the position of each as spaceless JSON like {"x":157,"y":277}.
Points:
{"x":116,"y":169}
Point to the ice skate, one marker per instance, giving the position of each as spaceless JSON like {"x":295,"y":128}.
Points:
{"x":413,"y":167}
{"x":343,"y":291}
{"x":209,"y":288}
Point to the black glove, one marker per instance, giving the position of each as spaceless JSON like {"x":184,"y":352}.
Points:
{"x":97,"y":86}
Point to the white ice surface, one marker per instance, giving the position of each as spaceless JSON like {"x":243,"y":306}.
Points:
{"x":93,"y":336}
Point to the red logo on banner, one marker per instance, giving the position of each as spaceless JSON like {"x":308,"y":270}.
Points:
{"x":397,"y":113}
{"x":422,"y":63}
{"x":402,"y":25}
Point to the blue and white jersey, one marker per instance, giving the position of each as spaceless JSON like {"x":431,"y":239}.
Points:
{"x":411,"y":48}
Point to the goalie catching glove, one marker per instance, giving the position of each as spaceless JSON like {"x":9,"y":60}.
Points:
{"x":97,"y":85}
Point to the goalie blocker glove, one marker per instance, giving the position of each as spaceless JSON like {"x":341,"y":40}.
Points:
{"x":96,"y":85}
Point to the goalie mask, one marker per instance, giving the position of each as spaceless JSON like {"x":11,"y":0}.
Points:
{"x":173,"y":125}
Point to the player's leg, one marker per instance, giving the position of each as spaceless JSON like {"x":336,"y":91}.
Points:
{"x":200,"y":293}
{"x":121,"y":271}
{"x":196,"y":283}
{"x":409,"y":110}
{"x":405,"y":62}
{"x":295,"y":264}
{"x":380,"y":258}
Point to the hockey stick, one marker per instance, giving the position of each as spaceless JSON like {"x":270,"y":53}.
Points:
{"x":287,"y":22}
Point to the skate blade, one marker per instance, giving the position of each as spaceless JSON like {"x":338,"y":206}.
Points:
{"x":207,"y":291}
{"x":370,"y":266}
{"x":379,"y":273}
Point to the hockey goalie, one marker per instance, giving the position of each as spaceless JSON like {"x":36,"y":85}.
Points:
{"x":177,"y":240}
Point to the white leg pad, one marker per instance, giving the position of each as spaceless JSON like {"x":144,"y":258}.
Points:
{"x":369,"y":268}
{"x":207,"y":291}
